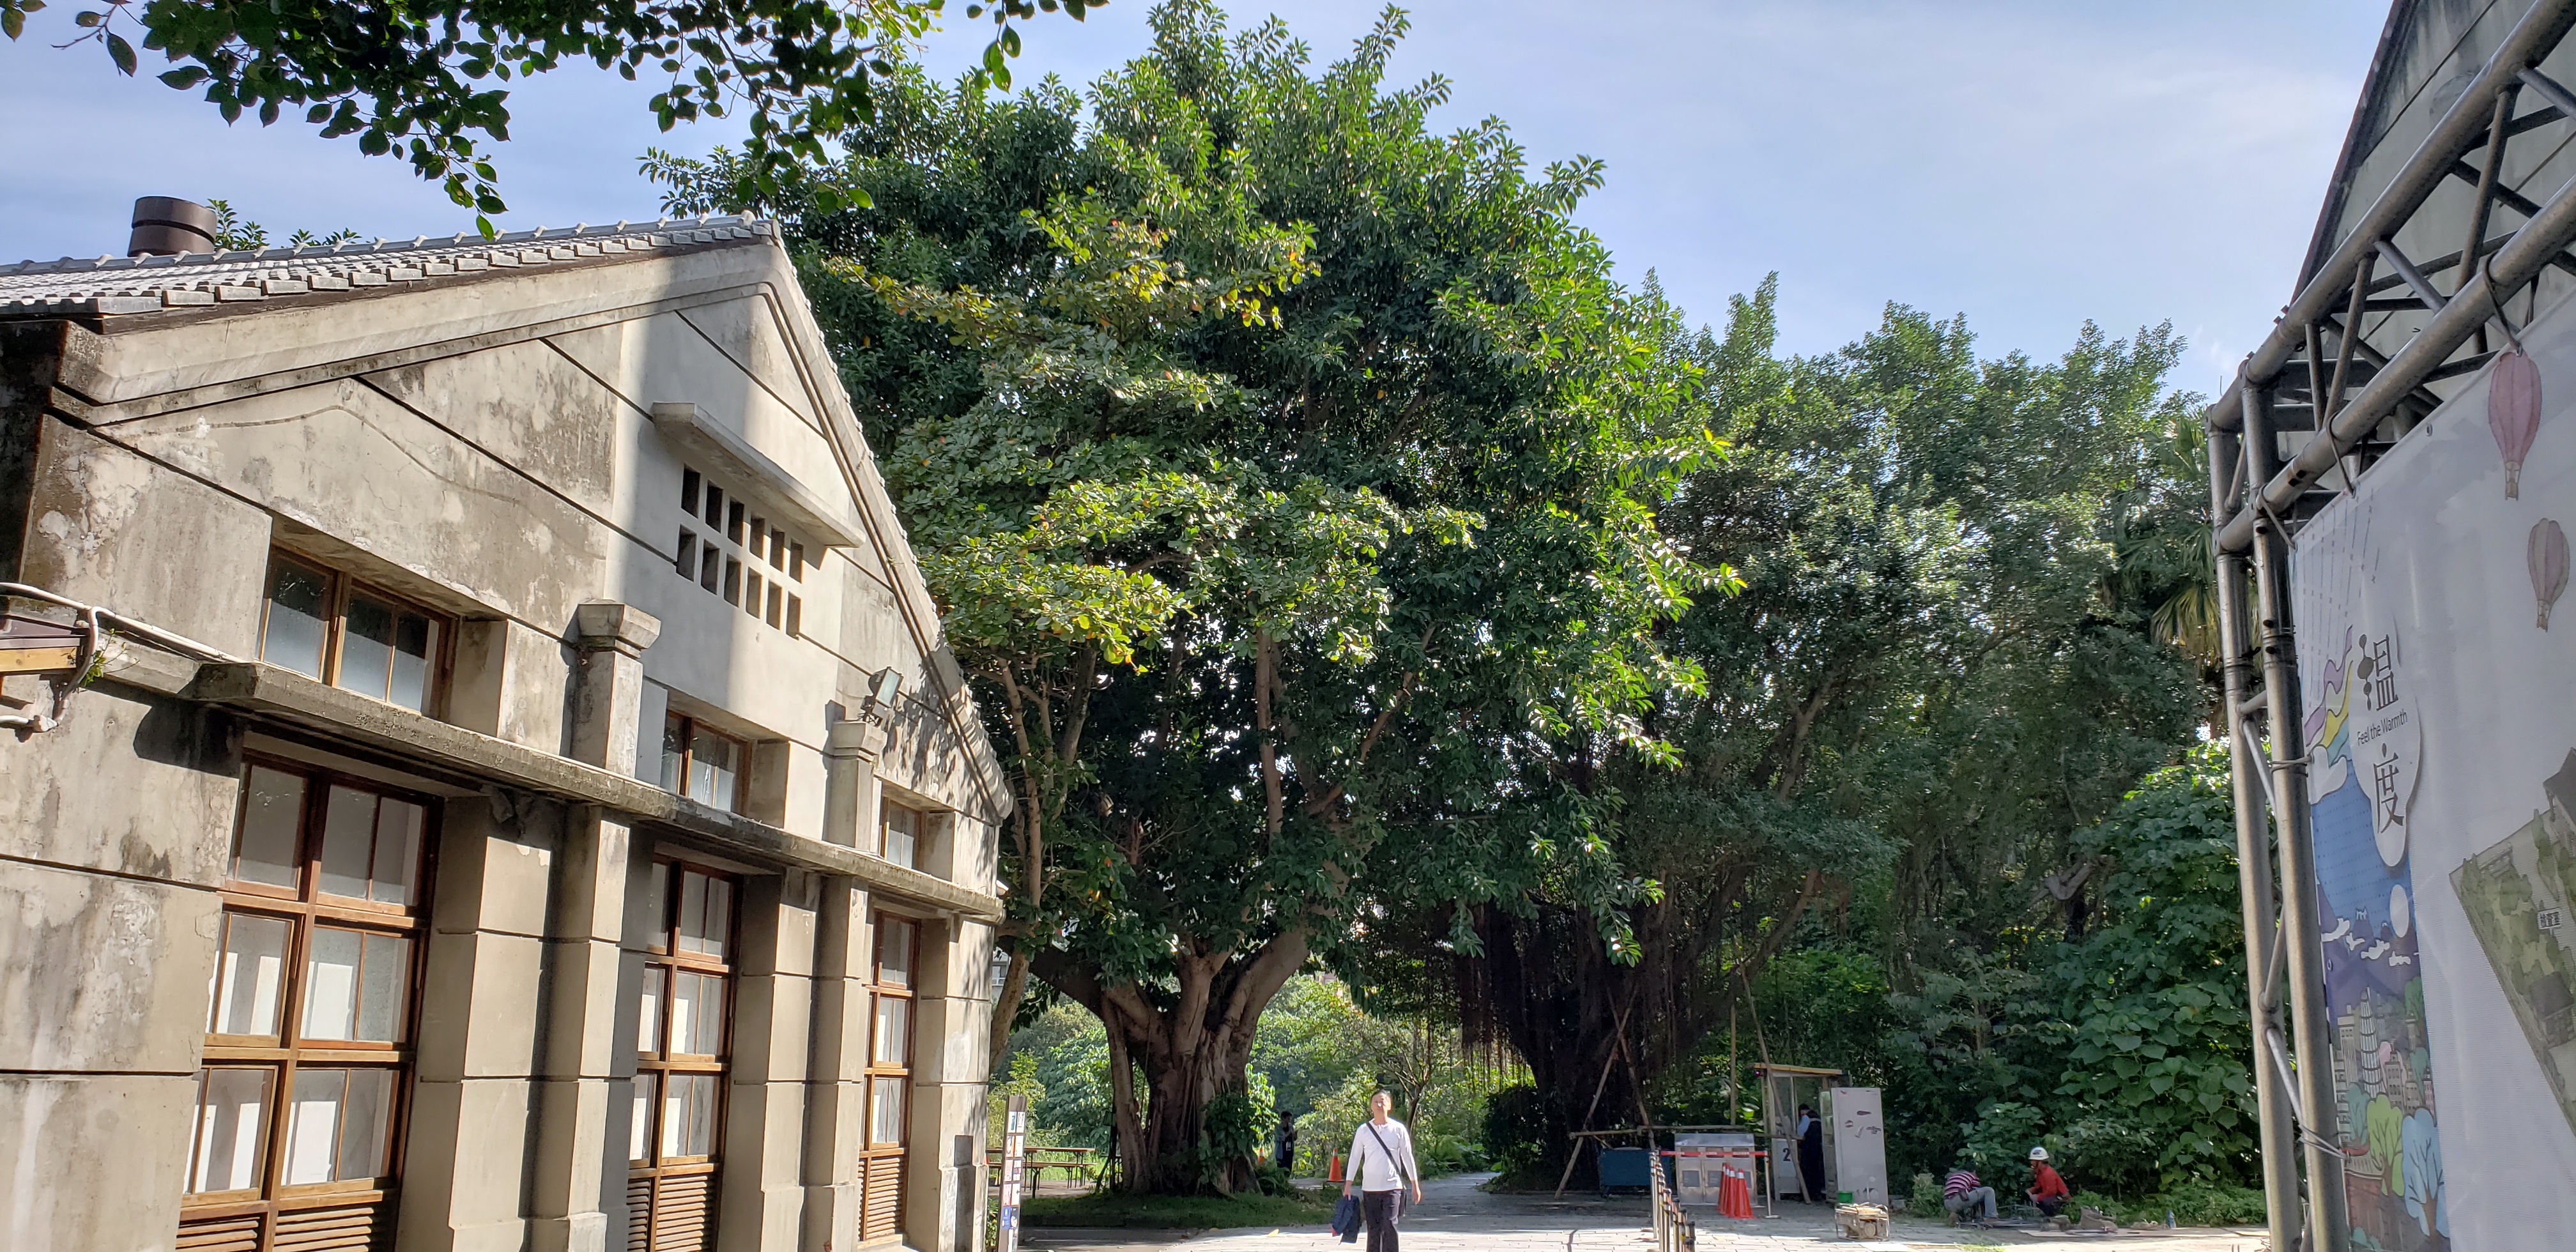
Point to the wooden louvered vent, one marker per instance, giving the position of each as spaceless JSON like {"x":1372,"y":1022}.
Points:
{"x":361,"y":1227}
{"x":881,"y":1198}
{"x":671,"y":1213}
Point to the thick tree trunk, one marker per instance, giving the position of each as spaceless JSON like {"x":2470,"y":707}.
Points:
{"x":1192,"y":1050}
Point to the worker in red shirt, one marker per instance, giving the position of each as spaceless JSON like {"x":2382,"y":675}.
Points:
{"x":2047,"y":1190}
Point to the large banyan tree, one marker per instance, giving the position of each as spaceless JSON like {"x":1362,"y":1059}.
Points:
{"x":1288,"y":473}
{"x":1935,"y":668}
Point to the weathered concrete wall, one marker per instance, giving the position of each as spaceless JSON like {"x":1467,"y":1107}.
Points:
{"x":485,"y":449}
{"x":116,"y":825}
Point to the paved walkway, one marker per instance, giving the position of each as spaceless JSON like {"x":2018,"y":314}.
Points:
{"x":1455,"y":1217}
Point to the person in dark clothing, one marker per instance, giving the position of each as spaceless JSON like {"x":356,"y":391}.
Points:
{"x":1285,"y":1142}
{"x":1811,"y":1154}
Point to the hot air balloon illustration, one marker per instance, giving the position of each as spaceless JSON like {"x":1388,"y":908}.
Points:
{"x":2513,"y":412}
{"x":2548,"y":554}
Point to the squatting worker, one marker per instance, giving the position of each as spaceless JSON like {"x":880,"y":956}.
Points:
{"x":1963,"y":1189}
{"x":1811,"y":1154}
{"x":1382,"y":1168}
{"x":2047,"y":1190}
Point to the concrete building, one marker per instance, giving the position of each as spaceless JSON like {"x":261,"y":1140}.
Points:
{"x":519,"y":798}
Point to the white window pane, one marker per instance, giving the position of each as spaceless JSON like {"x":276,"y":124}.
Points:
{"x":885,"y":1110}
{"x":657,"y":902}
{"x":366,"y":1120}
{"x":331,"y":985}
{"x":688,"y":1114}
{"x":693,"y":911}
{"x":367,"y":646}
{"x":299,"y":618}
{"x":712,"y":769}
{"x":902,"y":834}
{"x":313,"y":1125}
{"x":648,"y":1014}
{"x":684,"y":1011}
{"x":232,"y":1140}
{"x":264,"y":849}
{"x":415,"y":657}
{"x":894,"y":952}
{"x":249,"y":976}
{"x":384,"y":979}
{"x":639,"y":1136}
{"x":697,"y":1013}
{"x":894,"y":1030}
{"x":719,"y":923}
{"x":674,"y":748}
{"x":348,"y":842}
{"x":398,"y":827}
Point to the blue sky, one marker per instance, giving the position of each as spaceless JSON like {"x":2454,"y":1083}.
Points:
{"x":2030,"y":164}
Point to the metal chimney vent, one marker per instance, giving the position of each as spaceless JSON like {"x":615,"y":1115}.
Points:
{"x":164,"y":225}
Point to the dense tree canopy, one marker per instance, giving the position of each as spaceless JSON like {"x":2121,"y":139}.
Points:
{"x":1355,"y":574}
{"x":1289,"y":472}
{"x":1923,"y":690}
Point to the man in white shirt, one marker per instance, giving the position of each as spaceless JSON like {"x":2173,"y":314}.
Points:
{"x":1381,"y":1168}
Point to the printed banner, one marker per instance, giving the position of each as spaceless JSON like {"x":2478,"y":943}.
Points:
{"x":2441,"y":723}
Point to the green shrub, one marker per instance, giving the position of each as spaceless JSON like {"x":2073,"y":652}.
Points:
{"x":2106,"y":1154}
{"x":1925,"y":1199}
{"x":1998,"y":1144}
{"x":1515,"y":1128}
{"x":2202,"y":1203}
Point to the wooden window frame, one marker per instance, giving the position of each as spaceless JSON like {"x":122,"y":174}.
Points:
{"x":662,"y":959}
{"x":689,"y":728}
{"x":871,"y":1150}
{"x":342,"y":586}
{"x":306,"y":907}
{"x":922,"y":822}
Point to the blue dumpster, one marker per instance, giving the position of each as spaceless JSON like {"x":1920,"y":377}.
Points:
{"x":1624,"y":1169}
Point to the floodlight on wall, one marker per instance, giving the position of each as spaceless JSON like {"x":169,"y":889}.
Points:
{"x":882,"y":691}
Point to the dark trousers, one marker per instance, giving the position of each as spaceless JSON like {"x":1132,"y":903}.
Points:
{"x":1811,"y":1171}
{"x":1379,"y":1208}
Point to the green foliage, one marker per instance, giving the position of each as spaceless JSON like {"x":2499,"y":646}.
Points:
{"x":2157,"y":994}
{"x":233,"y":232}
{"x":1287,"y":474}
{"x":1998,"y":1144}
{"x":1238,"y":1128}
{"x":2113,"y":1155}
{"x":419,"y":79}
{"x":1517,"y":1130}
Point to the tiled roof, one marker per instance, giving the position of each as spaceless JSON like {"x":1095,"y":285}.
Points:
{"x":115,"y":284}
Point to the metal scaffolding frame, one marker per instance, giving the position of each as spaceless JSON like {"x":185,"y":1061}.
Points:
{"x":2316,"y":373}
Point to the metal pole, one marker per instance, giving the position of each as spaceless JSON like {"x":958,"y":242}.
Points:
{"x":2278,"y":1140}
{"x":2311,"y":1032}
{"x":2462,"y":125}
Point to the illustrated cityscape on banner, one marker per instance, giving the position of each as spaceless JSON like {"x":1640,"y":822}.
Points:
{"x":2441,"y":724}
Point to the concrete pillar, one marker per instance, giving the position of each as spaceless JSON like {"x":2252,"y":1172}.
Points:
{"x":762,"y":1175}
{"x":608,"y":690}
{"x":850,"y":751}
{"x":577,"y":1197}
{"x":836,"y":1084}
{"x":952,"y":1023}
{"x":466,"y":1173}
{"x":577,"y":1191}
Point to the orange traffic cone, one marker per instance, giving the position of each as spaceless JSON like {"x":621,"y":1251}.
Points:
{"x":1734,"y":1194}
{"x":1334,"y":1174}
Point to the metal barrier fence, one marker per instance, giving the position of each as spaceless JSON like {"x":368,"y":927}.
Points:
{"x":1674,"y":1231}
